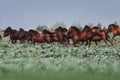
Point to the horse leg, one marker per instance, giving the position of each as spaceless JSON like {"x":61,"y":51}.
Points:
{"x":74,"y":43}
{"x":33,"y":41}
{"x":86,"y":43}
{"x":96,"y":43}
{"x":15,"y":41}
{"x":110,"y":41}
{"x":106,"y":42}
{"x":89,"y":43}
{"x":82,"y":43}
{"x":113,"y":37}
{"x":9,"y":41}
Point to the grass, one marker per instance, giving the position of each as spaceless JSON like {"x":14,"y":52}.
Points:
{"x":56,"y":62}
{"x":61,"y":75}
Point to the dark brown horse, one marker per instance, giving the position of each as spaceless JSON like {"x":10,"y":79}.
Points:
{"x":22,"y":35}
{"x":48,"y":36}
{"x":15,"y":35}
{"x":62,"y":35}
{"x":31,"y":33}
{"x":115,"y":29}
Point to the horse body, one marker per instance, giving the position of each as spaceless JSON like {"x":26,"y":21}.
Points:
{"x":62,"y":35}
{"x":15,"y":35}
{"x":48,"y":36}
{"x":40,"y":38}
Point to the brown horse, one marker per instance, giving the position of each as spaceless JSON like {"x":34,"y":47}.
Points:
{"x":92,"y":35}
{"x":39,"y":38}
{"x":115,"y":29}
{"x":48,"y":36}
{"x":103,"y":33}
{"x":22,"y":35}
{"x":96,"y":29}
{"x":76,"y":35}
{"x":86,"y":35}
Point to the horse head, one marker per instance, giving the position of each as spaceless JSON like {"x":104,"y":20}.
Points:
{"x":112,"y":27}
{"x":7,"y":31}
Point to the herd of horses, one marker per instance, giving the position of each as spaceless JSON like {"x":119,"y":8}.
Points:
{"x":64,"y":35}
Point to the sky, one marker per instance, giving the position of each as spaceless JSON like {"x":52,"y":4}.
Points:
{"x":29,"y":14}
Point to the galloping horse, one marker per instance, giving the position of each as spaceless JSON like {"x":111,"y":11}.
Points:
{"x":31,"y":33}
{"x":40,"y":38}
{"x":104,"y":33}
{"x":76,"y":35}
{"x":22,"y":35}
{"x":48,"y":36}
{"x":92,"y":35}
{"x":87,"y":35}
{"x":115,"y":29}
{"x":15,"y":35}
{"x":62,"y":35}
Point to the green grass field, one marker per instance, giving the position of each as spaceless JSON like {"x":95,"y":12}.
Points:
{"x":57,"y":62}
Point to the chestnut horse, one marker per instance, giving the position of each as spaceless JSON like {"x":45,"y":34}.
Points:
{"x":104,"y":33}
{"x":39,"y":38}
{"x":76,"y":35}
{"x":115,"y":29}
{"x":86,"y":35}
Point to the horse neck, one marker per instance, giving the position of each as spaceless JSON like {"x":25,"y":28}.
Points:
{"x":75,"y":32}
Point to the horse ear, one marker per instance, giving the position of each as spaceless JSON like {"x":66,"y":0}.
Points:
{"x":9,"y":27}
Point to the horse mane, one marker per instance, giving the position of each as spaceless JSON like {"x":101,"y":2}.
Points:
{"x":31,"y":30}
{"x":60,"y":29}
{"x":8,"y":28}
{"x":114,"y":25}
{"x":21,"y":29}
{"x":87,"y":28}
{"x":96,"y":27}
{"x":75,"y":28}
{"x":45,"y":31}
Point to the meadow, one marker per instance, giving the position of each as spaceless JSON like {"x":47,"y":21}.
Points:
{"x":58,"y":62}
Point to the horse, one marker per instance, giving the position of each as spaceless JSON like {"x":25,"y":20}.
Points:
{"x":86,"y":35}
{"x":48,"y":36}
{"x":15,"y":35}
{"x":92,"y":34}
{"x":104,"y":33}
{"x":0,"y":37}
{"x":62,"y":35}
{"x":22,"y":35}
{"x":30,"y":35}
{"x":75,"y":35}
{"x":40,"y":38}
{"x":96,"y":29}
{"x":115,"y":29}
{"x":101,"y":35}
{"x":9,"y":31}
